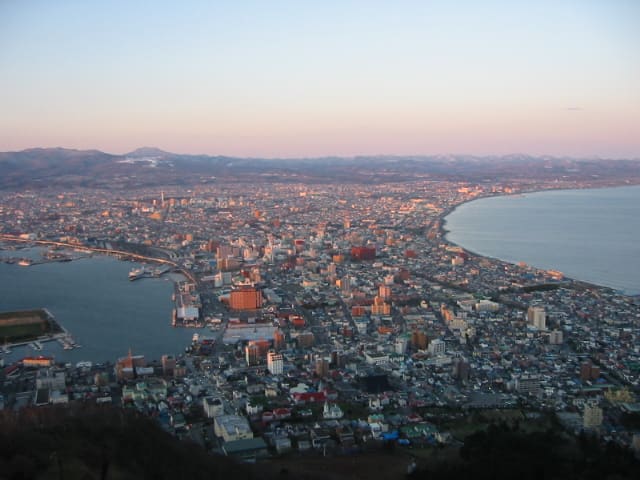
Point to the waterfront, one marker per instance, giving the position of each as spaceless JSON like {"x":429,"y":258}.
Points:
{"x":94,"y":300}
{"x":590,"y":235}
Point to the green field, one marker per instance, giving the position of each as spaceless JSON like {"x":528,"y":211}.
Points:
{"x":25,"y":325}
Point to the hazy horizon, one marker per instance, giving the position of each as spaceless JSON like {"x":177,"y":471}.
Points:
{"x":312,"y":157}
{"x":292,"y":80}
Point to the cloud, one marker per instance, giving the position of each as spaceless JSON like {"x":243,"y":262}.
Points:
{"x":574,"y":109}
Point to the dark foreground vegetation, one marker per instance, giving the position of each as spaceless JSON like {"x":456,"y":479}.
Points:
{"x":89,"y":442}
{"x":503,"y":452}
{"x":101,"y":443}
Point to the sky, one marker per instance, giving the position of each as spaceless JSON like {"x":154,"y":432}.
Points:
{"x":313,"y":78}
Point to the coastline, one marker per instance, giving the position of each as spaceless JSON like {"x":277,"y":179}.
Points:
{"x":107,"y":345}
{"x":443,"y":231}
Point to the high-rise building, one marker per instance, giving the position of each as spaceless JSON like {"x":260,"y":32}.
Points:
{"x":380,"y":307}
{"x":168,"y":365}
{"x":345,"y":285}
{"x":384,"y":292}
{"x":400,"y":345}
{"x":275,"y":363}
{"x":461,"y":369}
{"x":437,"y":347}
{"x":278,"y":340}
{"x":252,"y":354}
{"x":337,"y":359}
{"x":419,"y":340}
{"x":555,"y":337}
{"x":245,"y":298}
{"x":537,"y":317}
{"x":322,"y":367}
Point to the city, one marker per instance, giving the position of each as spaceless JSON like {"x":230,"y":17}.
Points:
{"x":333,"y":317}
{"x":337,"y":240}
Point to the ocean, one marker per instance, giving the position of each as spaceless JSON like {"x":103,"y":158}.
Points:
{"x":95,"y":301}
{"x":592,"y":235}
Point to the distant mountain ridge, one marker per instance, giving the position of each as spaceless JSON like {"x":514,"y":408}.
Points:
{"x":149,"y":166}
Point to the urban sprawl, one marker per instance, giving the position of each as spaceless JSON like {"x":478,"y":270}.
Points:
{"x":331,"y":317}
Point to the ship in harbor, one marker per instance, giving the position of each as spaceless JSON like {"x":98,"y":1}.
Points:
{"x":144,"y":272}
{"x":137,"y":273}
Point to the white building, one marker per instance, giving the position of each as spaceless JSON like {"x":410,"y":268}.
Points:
{"x":331,"y":412}
{"x":437,"y":347}
{"x":232,"y":427}
{"x":275,"y":363}
{"x":213,"y":406}
{"x":50,"y":379}
{"x":592,"y":416}
{"x":374,"y":358}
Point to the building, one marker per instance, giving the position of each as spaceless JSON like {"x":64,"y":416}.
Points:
{"x":588,"y":371}
{"x":332,"y":411}
{"x":437,"y":347}
{"x":363,"y":253}
{"x":345,"y":285}
{"x":400,"y":345}
{"x":232,"y":427}
{"x":322,"y":367}
{"x":537,"y":317}
{"x":168,"y":365}
{"x":275,"y":363}
{"x":528,"y":384}
{"x":419,"y":340}
{"x":461,"y":369}
{"x":39,"y":361}
{"x":555,"y":337}
{"x":246,"y":450}
{"x":279,"y":341}
{"x":47,"y":378}
{"x":252,"y":354}
{"x":245,"y":298}
{"x":487,"y":306}
{"x":213,"y":407}
{"x":592,"y":416}
{"x":375,"y":358}
{"x":380,"y":307}
{"x":305,"y":340}
{"x":130,"y":366}
{"x":384,"y":292}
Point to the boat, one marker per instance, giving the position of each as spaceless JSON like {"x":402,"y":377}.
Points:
{"x":137,"y":273}
{"x":25,"y":262}
{"x":196,"y":337}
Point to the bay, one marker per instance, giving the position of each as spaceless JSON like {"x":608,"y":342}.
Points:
{"x":591,"y":235}
{"x":95,"y":301}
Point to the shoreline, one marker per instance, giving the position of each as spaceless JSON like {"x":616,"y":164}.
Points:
{"x":53,"y":346}
{"x":443,"y":231}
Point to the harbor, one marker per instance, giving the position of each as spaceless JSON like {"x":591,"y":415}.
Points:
{"x":99,"y":307}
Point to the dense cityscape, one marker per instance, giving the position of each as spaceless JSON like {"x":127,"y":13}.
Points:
{"x":333,"y":318}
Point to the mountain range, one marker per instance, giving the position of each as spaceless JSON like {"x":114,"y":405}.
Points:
{"x":149,"y":166}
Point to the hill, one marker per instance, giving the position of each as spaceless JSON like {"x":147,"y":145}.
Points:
{"x":99,"y":443}
{"x":150,"y":166}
